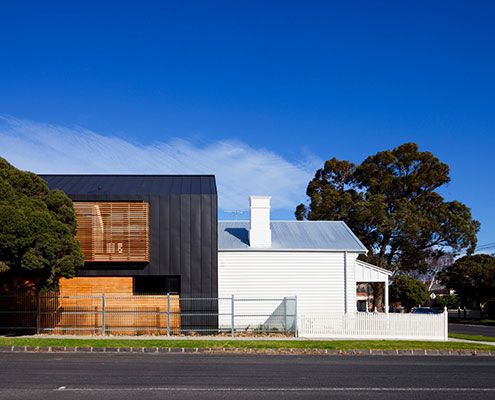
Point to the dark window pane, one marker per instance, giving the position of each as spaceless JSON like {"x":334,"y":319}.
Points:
{"x":156,"y":284}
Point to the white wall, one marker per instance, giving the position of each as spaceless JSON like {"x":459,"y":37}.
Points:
{"x":369,"y":273}
{"x":350,"y":268}
{"x":316,"y":278}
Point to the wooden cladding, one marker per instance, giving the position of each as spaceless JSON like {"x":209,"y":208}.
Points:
{"x":95,"y":286}
{"x":113,"y":231}
{"x":77,"y":309}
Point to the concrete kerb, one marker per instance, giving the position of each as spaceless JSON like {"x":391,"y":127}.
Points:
{"x":167,"y":350}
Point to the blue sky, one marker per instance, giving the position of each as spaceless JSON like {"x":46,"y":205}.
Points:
{"x":259,"y":93}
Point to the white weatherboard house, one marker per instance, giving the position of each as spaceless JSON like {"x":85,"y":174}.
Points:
{"x":313,"y":260}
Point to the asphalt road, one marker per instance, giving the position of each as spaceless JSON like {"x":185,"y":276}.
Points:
{"x":472,"y":329}
{"x":206,"y":376}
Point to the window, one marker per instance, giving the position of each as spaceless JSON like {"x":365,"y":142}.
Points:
{"x":156,"y":285}
{"x":113,"y":231}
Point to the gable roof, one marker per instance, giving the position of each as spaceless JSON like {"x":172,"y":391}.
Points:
{"x":122,"y":185}
{"x":292,"y":236}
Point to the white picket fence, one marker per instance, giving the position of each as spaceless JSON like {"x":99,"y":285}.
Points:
{"x":374,"y":326}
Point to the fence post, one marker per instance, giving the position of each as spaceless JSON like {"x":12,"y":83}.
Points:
{"x":286,"y":328}
{"x":102,"y":314}
{"x":296,"y":333}
{"x":168,"y":314}
{"x":38,"y":314}
{"x":232,"y":315}
{"x":445,"y":324}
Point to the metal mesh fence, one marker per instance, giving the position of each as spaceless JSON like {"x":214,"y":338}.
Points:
{"x":18,"y":313}
{"x":165,"y":314}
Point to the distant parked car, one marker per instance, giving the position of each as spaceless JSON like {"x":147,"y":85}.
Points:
{"x":425,"y":310}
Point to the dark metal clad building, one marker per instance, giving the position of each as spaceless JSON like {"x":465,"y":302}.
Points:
{"x":181,"y":238}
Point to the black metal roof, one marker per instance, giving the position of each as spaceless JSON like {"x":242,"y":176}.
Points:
{"x":121,"y":185}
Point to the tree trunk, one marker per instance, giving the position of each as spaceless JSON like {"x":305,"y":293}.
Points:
{"x":482,"y":309}
{"x":383,"y":246}
{"x":378,"y":292}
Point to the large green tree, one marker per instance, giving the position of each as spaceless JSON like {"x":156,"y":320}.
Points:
{"x":409,"y":291}
{"x":391,"y":201}
{"x":473,"y":279}
{"x":37,"y":230}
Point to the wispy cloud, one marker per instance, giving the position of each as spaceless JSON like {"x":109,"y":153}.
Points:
{"x":241,"y":170}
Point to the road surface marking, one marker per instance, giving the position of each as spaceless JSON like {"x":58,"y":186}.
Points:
{"x":280,"y":389}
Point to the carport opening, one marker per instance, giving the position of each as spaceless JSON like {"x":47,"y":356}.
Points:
{"x":370,"y":296}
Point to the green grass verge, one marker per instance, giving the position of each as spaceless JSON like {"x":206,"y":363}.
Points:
{"x":479,"y":338}
{"x":246,"y":344}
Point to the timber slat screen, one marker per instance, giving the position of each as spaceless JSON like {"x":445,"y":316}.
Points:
{"x":113,"y":231}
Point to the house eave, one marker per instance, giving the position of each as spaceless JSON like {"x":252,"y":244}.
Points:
{"x":374,"y":267}
{"x":249,"y":250}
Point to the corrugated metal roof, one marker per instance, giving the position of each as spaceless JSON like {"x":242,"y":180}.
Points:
{"x":292,"y":235}
{"x":75,"y":185}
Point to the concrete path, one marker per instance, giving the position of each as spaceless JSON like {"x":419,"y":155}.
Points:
{"x":472,"y":329}
{"x":471,"y":341}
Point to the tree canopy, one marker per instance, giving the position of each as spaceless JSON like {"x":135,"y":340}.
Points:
{"x":391,"y":202}
{"x":409,"y":292}
{"x":473,"y":279}
{"x":37,"y":229}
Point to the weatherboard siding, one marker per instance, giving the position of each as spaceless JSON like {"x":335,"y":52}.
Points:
{"x":316,"y":278}
{"x":370,"y":273}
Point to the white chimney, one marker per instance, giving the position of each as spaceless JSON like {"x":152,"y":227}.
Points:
{"x":260,"y":234}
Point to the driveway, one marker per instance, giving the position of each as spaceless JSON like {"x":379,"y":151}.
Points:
{"x":472,"y":329}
